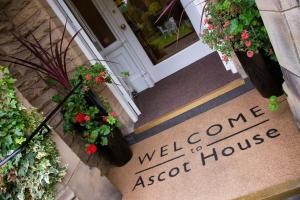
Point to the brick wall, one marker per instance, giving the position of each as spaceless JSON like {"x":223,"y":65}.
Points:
{"x":22,"y":17}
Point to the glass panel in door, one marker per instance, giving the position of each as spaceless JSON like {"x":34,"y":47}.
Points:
{"x":95,"y":22}
{"x":158,"y":39}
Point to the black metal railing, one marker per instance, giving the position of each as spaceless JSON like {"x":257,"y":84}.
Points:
{"x":42,"y":128}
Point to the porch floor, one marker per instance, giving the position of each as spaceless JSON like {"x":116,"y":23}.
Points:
{"x":238,"y":149}
{"x":180,"y":89}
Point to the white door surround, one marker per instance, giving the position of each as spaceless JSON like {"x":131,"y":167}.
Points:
{"x":90,"y":51}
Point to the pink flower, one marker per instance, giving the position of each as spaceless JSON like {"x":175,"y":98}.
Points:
{"x":245,"y":35}
{"x":248,"y":43}
{"x":226,"y":24}
{"x":102,"y":73}
{"x":231,"y":37}
{"x":250,"y":54}
{"x":114,"y":114}
{"x":270,"y":51}
{"x":206,"y":20}
{"x":99,"y":79}
{"x":88,"y":77}
{"x":87,"y":118}
{"x":210,"y":27}
{"x":91,"y":149}
{"x":225,"y":58}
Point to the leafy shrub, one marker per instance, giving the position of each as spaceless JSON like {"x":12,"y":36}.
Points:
{"x":33,"y":173}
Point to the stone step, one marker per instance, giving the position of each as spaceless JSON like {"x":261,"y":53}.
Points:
{"x":66,"y":193}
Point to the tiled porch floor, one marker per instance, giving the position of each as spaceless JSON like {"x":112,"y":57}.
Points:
{"x":212,"y":156}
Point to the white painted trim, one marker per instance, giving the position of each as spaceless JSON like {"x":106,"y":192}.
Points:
{"x":62,"y":11}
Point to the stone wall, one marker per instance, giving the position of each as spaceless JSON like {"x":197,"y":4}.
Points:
{"x":282,"y":20}
{"x":22,"y":17}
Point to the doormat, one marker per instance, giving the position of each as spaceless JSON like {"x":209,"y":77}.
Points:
{"x":233,"y":151}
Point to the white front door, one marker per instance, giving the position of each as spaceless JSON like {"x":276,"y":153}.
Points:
{"x":126,"y":35}
{"x":155,"y":44}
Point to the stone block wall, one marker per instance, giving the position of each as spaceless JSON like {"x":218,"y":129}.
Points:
{"x":282,"y":20}
{"x":23,"y":17}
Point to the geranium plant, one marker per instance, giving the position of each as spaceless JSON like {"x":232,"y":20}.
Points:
{"x":93,"y":125}
{"x":235,"y":25}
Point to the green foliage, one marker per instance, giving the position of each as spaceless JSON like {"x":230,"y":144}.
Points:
{"x":273,"y":104}
{"x":85,"y":119}
{"x":33,"y":173}
{"x":227,"y":20}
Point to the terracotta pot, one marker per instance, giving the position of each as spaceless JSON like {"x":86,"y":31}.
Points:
{"x":264,"y":73}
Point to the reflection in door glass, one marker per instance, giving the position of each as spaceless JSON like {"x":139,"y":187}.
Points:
{"x":95,"y":21}
{"x":159,"y":40}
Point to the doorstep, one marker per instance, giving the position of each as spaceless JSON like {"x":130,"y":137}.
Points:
{"x":238,"y":150}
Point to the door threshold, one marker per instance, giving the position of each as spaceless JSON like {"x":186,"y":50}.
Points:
{"x":202,"y":100}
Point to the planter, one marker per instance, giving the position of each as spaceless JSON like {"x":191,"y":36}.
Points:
{"x":117,"y":152}
{"x":264,"y":73}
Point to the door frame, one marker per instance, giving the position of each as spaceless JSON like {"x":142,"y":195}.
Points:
{"x":90,"y":51}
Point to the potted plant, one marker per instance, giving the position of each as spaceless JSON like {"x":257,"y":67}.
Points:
{"x":92,"y":119}
{"x":237,"y":25}
{"x":100,"y":126}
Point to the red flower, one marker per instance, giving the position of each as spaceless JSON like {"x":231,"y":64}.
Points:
{"x":88,"y":77}
{"x":79,"y":118}
{"x":99,"y":79}
{"x":206,"y":20}
{"x":87,"y":118}
{"x":210,"y":27}
{"x":91,"y":149}
{"x":225,"y":58}
{"x":248,"y":43}
{"x":250,"y":54}
{"x":114,"y":114}
{"x":245,"y":35}
{"x":226,"y":24}
{"x":102,"y":73}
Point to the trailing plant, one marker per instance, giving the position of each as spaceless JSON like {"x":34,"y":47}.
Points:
{"x":94,"y":126}
{"x":33,"y":173}
{"x":235,"y":25}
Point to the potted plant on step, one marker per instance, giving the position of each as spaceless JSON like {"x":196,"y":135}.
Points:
{"x":92,"y":118}
{"x":237,"y":25}
{"x":83,"y":112}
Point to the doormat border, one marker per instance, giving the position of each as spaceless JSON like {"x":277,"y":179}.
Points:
{"x":134,"y":138}
{"x":200,"y":101}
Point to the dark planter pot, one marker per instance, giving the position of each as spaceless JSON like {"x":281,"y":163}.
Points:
{"x":117,"y":152}
{"x":264,"y":73}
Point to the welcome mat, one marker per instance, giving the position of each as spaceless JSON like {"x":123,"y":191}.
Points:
{"x":234,"y":150}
